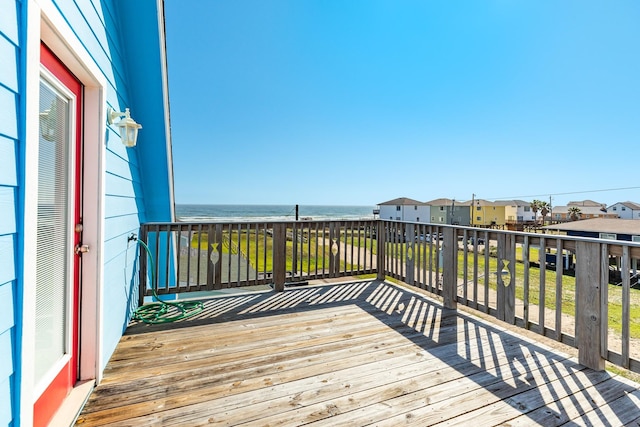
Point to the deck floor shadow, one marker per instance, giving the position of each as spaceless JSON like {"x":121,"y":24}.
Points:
{"x":351,"y":354}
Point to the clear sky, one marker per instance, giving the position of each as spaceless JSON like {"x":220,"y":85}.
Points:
{"x":349,"y":102}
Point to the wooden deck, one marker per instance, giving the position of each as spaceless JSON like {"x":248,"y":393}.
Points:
{"x":350,"y":354}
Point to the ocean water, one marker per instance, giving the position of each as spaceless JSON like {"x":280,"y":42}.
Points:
{"x":228,"y":213}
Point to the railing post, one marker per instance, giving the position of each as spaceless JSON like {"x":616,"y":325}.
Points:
{"x":450,"y":268}
{"x":279,"y":256}
{"x":381,"y":245}
{"x":588,"y":305}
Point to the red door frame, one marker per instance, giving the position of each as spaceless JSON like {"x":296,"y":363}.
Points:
{"x":48,"y":403}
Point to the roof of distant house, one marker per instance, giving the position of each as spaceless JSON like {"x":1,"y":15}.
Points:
{"x":584,"y":210}
{"x":602,"y":225}
{"x":402,"y":201}
{"x":585,"y":203}
{"x":440,"y":202}
{"x":511,"y":203}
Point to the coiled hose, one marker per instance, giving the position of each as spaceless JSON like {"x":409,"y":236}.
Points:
{"x":164,"y":311}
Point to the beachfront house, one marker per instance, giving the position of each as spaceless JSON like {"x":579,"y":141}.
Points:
{"x":625,"y":210}
{"x":404,"y":209}
{"x":75,"y":185}
{"x":449,"y":211}
{"x":516,"y":211}
{"x":587,"y":210}
{"x":487,"y":213}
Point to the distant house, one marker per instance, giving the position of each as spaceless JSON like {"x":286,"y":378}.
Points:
{"x":449,"y":211}
{"x":487,"y":213}
{"x":72,"y":192}
{"x":404,"y":209}
{"x":588,"y":210}
{"x":516,"y":211}
{"x":625,"y":210}
{"x":602,"y":228}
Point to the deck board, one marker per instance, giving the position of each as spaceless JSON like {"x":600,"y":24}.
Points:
{"x":349,"y":354}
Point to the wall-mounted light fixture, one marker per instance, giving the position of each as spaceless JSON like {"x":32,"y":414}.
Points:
{"x":128,"y":127}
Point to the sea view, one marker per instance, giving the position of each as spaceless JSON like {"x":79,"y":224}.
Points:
{"x":187,"y":212}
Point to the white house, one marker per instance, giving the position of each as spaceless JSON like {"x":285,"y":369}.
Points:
{"x":625,"y":210}
{"x":404,"y":209}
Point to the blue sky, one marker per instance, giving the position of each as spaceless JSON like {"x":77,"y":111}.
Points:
{"x":348,"y":102}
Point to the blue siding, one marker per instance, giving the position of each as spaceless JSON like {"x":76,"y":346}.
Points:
{"x":7,"y":210}
{"x":141,"y":17}
{"x":110,"y":40}
{"x":101,"y":26}
{"x":9,"y":142}
{"x":7,"y":344}
{"x":8,"y":162}
{"x":9,"y":116}
{"x":9,"y":75}
{"x":9,"y":20}
{"x":6,"y":400}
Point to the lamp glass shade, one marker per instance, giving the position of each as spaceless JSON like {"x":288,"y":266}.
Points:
{"x":129,"y":131}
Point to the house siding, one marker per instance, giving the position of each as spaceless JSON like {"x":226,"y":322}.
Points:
{"x":98,"y":26}
{"x":94,"y":23}
{"x":11,"y":108}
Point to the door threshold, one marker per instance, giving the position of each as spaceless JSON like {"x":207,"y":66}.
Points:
{"x":73,"y":404}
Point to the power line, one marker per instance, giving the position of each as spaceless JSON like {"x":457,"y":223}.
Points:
{"x":563,"y":194}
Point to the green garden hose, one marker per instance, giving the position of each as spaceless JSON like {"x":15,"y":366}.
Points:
{"x":164,"y":311}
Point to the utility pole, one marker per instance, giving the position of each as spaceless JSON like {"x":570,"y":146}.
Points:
{"x":473,"y":207}
{"x":453,"y":206}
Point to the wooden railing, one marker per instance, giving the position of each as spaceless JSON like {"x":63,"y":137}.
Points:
{"x":195,"y":257}
{"x":577,"y":291}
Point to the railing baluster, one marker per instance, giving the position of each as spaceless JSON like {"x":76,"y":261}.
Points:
{"x":199,"y":254}
{"x":604,"y":302}
{"x":210,"y":265}
{"x":264,"y":257}
{"x":626,"y":303}
{"x":317,"y":239}
{"x":475,"y":268}
{"x":525,"y":290}
{"x":487,"y":276}
{"x":559,"y":272}
{"x":177,"y":257}
{"x":156,"y":266}
{"x":542,"y":291}
{"x":143,"y":274}
{"x":465,"y":266}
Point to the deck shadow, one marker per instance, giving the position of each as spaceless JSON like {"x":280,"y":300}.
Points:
{"x":537,"y":383}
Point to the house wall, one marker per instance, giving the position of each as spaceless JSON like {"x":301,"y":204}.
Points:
{"x":623,"y":212}
{"x":439,"y":214}
{"x":94,"y":30}
{"x":413,"y":213}
{"x":11,"y":106}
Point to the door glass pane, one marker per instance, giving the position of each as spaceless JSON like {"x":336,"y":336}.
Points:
{"x":53,"y":241}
